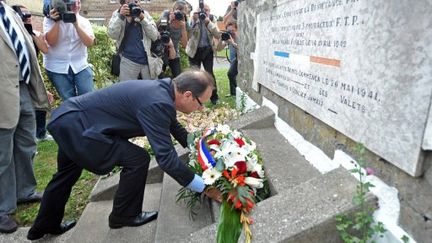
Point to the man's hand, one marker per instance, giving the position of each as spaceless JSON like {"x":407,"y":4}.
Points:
{"x":214,"y":194}
{"x":50,"y":97}
{"x":124,"y":10}
{"x":54,"y":15}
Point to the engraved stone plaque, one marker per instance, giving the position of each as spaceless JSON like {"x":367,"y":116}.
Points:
{"x":363,"y":67}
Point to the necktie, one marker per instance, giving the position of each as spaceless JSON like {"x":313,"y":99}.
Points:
{"x":18,"y":45}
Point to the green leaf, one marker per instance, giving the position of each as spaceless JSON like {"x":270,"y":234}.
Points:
{"x":229,"y":228}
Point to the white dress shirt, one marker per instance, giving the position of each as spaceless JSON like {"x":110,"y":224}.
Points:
{"x":69,"y":49}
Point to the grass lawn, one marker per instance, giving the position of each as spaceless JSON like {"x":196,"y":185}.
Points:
{"x":45,"y":166}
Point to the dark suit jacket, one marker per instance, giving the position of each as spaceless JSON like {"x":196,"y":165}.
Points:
{"x":86,"y":127}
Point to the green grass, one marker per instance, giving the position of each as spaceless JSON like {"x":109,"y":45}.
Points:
{"x":223,"y":89}
{"x":45,"y":165}
{"x":222,"y":53}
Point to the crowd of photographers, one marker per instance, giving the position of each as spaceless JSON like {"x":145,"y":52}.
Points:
{"x":146,"y":47}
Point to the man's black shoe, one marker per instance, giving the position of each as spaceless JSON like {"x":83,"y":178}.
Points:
{"x":7,"y":224}
{"x":35,"y":197}
{"x":143,"y":218}
{"x":35,"y":234}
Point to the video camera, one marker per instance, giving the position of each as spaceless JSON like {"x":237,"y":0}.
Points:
{"x":24,"y":15}
{"x":63,"y":7}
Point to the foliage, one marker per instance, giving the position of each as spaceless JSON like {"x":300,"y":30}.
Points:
{"x":360,"y":227}
{"x":100,"y":55}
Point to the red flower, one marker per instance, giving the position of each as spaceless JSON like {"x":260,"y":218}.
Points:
{"x":241,"y":166}
{"x":254,"y":174}
{"x":239,"y":141}
{"x":213,"y":141}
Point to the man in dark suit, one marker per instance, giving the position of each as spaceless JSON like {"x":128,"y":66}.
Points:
{"x":22,"y":90}
{"x":92,"y":133}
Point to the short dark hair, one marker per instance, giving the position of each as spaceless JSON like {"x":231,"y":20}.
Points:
{"x":194,"y":80}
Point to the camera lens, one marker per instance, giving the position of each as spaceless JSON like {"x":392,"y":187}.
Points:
{"x":135,"y":11}
{"x":178,"y":15}
{"x":202,"y":15}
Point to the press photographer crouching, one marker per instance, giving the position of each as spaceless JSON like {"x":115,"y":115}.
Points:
{"x":68,"y":35}
{"x":173,"y":26}
{"x":133,"y":29}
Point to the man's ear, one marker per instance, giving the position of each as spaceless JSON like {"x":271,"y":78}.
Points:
{"x":188,"y":93}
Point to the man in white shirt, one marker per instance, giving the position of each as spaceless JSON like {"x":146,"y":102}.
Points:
{"x":66,"y":61}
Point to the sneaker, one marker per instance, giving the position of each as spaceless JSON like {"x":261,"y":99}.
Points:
{"x":47,"y":137}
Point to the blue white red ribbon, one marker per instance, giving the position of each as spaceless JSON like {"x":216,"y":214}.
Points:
{"x":204,"y":156}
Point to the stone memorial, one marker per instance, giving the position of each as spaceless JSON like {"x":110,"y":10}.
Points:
{"x":363,"y":67}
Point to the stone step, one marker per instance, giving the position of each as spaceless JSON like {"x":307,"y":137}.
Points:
{"x":304,"y":213}
{"x":93,"y":226}
{"x":174,"y":222}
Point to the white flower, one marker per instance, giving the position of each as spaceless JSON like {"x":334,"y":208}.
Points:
{"x":236,"y":134}
{"x":231,"y":153}
{"x":224,"y":129}
{"x":254,"y":182}
{"x":210,"y":176}
{"x":259,"y":170}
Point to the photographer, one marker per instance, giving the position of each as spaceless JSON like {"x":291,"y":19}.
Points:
{"x":229,"y":37}
{"x":174,"y":23}
{"x":200,"y":45}
{"x":134,"y":29}
{"x":68,"y":36}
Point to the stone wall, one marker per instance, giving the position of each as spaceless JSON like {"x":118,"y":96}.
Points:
{"x":415,"y":193}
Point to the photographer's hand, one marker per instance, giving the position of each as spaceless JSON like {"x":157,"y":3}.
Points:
{"x":52,"y":35}
{"x":124,"y":10}
{"x":54,"y":15}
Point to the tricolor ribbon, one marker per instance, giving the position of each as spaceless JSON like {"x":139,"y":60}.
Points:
{"x":204,"y":157}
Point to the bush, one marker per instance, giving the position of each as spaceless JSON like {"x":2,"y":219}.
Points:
{"x":100,"y":56}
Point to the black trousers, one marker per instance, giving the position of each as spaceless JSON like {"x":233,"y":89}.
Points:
{"x":40,"y":123}
{"x":204,"y":56}
{"x":232,"y":76}
{"x":174,"y":65}
{"x":127,"y":200}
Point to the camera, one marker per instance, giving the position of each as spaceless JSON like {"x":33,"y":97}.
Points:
{"x":226,"y":35}
{"x":63,"y":7}
{"x":202,"y":14}
{"x":163,"y":30}
{"x":178,"y":15}
{"x":135,"y":10}
{"x":24,"y":15}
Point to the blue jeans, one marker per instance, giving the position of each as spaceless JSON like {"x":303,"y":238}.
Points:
{"x":71,"y":84}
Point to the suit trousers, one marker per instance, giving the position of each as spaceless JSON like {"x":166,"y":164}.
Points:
{"x":17,"y":150}
{"x":129,"y":197}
